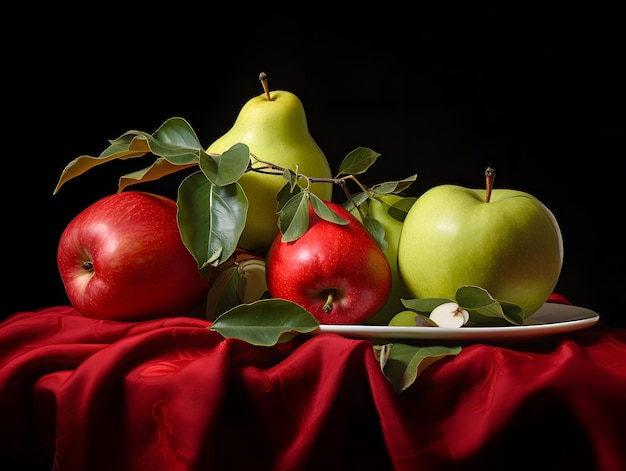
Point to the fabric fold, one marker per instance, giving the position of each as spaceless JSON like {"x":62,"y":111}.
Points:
{"x":169,"y":394}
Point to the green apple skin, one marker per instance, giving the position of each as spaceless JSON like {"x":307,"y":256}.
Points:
{"x":378,"y":209}
{"x":275,"y":131}
{"x":511,"y":246}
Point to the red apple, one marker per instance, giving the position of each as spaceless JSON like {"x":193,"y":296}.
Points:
{"x":336,"y":272}
{"x":123,"y":258}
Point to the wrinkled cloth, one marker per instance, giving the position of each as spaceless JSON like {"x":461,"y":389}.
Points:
{"x":169,"y":394}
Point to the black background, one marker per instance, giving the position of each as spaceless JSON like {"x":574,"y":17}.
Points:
{"x":440,"y":90}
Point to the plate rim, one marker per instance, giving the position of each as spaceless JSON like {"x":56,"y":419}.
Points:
{"x":578,"y":318}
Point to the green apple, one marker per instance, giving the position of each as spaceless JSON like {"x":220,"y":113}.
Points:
{"x":408,"y":318}
{"x":378,"y":208}
{"x":274,"y":127}
{"x":503,"y":240}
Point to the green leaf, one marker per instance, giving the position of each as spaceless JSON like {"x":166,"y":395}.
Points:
{"x":159,"y":168}
{"x":377,"y":231}
{"x":481,"y":306}
{"x":293,"y":220}
{"x":403,"y":363}
{"x":484,"y":309}
{"x":323,"y":211}
{"x":292,"y":178}
{"x":394,"y":186}
{"x":228,"y":296}
{"x":400,"y":209}
{"x":514,"y":313}
{"x":134,"y":141}
{"x":120,"y":149}
{"x":357,"y":161}
{"x":211,"y":218}
{"x":424,"y":305}
{"x":265,"y":322}
{"x":473,"y":297}
{"x":358,"y":199}
{"x":174,"y":140}
{"x":227,"y":168}
{"x":285,"y":194}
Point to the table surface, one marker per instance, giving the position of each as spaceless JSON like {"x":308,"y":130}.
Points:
{"x":169,"y":394}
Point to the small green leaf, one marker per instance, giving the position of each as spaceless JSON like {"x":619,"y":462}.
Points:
{"x":358,"y":199}
{"x":174,"y":140}
{"x":400,"y":209}
{"x":210,"y":218}
{"x":292,"y":178}
{"x":228,"y":296}
{"x":424,"y":305}
{"x":285,"y":194}
{"x":405,"y":363}
{"x":159,"y":168}
{"x":513,"y":312}
{"x":394,"y":186}
{"x":133,"y":141}
{"x":176,"y":133}
{"x":119,"y":150}
{"x":357,"y":161}
{"x":227,"y":168}
{"x":484,"y":309}
{"x":265,"y":322}
{"x":323,"y":211}
{"x":473,"y":297}
{"x":293,"y":219}
{"x":377,"y":231}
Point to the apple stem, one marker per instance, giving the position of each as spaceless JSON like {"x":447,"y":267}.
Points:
{"x":328,"y":305}
{"x":263,"y":79}
{"x":490,"y":176}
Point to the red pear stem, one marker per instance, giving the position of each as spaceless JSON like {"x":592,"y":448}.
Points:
{"x":328,"y":305}
{"x":263,"y":79}
{"x":490,"y":176}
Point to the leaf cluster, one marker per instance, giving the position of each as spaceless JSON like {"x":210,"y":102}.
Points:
{"x":212,"y":206}
{"x":483,"y":309}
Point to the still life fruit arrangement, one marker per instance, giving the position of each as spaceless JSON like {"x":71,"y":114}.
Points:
{"x":254,"y":244}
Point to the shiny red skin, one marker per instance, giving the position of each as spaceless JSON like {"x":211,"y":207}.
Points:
{"x":141,"y":268}
{"x":344,"y":258}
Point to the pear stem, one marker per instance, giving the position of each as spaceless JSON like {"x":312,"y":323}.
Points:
{"x":328,"y":305}
{"x":490,"y":176}
{"x":263,"y":79}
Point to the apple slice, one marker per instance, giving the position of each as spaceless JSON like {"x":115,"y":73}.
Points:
{"x":449,"y":315}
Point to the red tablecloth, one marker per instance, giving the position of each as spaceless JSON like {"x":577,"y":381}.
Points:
{"x":168,"y":394}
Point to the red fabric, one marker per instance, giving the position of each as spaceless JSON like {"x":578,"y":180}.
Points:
{"x":86,"y":394}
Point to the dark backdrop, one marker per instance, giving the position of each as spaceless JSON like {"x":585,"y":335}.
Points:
{"x":440,"y":90}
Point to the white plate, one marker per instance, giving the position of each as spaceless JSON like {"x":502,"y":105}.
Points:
{"x":550,"y":319}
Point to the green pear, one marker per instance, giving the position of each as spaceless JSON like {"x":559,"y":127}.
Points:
{"x":378,"y":208}
{"x":274,"y":127}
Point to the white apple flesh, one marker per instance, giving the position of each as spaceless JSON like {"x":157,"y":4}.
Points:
{"x":449,"y":315}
